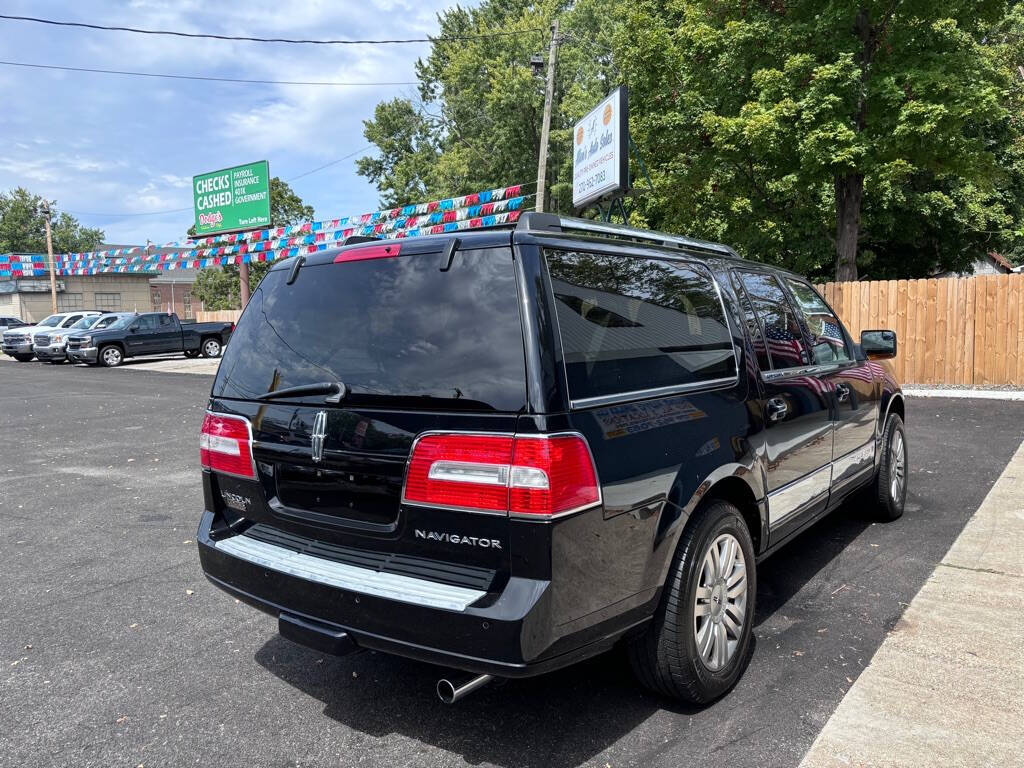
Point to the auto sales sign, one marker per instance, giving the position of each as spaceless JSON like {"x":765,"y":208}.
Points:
{"x":600,"y":161}
{"x":232,"y":199}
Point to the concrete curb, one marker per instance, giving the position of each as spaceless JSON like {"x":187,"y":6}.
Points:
{"x":944,"y":688}
{"x":972,"y":394}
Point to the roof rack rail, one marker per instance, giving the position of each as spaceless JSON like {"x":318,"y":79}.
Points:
{"x":533,"y":221}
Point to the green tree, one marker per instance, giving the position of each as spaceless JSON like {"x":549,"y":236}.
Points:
{"x":814,"y":127}
{"x":23,"y":226}
{"x":219,"y":288}
{"x":476,"y":121}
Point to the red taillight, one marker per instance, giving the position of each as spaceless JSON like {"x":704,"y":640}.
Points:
{"x":225,"y":445}
{"x":541,"y":476}
{"x":369,"y":252}
{"x":551,"y":476}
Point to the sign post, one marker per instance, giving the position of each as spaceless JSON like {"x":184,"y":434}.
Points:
{"x":600,"y":161}
{"x":233,"y":200}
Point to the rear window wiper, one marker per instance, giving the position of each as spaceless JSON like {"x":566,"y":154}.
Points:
{"x":334,"y":389}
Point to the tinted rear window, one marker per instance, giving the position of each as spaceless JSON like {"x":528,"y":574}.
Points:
{"x":389,"y":329}
{"x":629,"y":325}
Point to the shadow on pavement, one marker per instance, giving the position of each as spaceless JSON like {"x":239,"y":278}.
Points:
{"x":561,"y":719}
{"x":555,"y":720}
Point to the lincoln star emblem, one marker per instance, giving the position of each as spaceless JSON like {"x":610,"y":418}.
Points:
{"x":319,"y":433}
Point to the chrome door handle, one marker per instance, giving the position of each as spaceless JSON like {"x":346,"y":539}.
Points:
{"x":777,"y":409}
{"x":842,"y":393}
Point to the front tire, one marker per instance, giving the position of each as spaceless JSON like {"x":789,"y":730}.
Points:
{"x":111,"y":356}
{"x":891,"y":480}
{"x":699,"y":642}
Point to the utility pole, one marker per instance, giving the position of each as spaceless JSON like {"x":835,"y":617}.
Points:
{"x":549,"y":97}
{"x":49,"y":253}
{"x":243,"y":282}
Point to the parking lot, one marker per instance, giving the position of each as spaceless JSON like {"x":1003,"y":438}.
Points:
{"x":116,"y":651}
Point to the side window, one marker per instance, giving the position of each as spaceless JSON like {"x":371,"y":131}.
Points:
{"x":827,"y":339}
{"x":146,"y":323}
{"x":165,"y":322}
{"x":784,"y":336}
{"x":753,"y":327}
{"x":71,"y":320}
{"x":629,"y":324}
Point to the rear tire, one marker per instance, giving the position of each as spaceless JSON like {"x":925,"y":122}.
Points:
{"x":110,"y":356}
{"x":698,"y":644}
{"x":211,"y":347}
{"x":891,"y":481}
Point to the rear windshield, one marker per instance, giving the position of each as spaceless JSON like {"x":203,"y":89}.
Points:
{"x":389,"y":329}
{"x":632,"y":325}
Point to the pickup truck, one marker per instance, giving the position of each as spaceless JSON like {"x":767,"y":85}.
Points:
{"x":151,"y":333}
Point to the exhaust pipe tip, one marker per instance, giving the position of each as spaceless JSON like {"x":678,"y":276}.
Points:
{"x":446,"y":691}
{"x":450,"y":692}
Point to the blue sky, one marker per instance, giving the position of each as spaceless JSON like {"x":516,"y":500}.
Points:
{"x":106,"y":144}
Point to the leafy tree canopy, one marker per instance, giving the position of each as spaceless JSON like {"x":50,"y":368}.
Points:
{"x":23,"y":226}
{"x":868,"y":138}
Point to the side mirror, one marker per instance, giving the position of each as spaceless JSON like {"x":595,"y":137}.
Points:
{"x":878,"y":345}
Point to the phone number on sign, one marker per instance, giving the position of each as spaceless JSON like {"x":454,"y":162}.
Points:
{"x":588,"y":183}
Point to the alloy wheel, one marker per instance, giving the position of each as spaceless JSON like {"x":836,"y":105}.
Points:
{"x":112,"y":356}
{"x":897,"y":466}
{"x":720,"y":604}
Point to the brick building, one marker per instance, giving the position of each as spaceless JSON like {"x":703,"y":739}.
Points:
{"x":172,"y":291}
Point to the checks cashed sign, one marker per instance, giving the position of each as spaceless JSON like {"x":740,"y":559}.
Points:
{"x":600,"y":164}
{"x":233,"y":199}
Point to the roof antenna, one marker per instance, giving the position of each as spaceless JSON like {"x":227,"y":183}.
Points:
{"x":449,"y":254}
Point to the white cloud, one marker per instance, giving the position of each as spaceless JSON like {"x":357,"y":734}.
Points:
{"x":120,"y":144}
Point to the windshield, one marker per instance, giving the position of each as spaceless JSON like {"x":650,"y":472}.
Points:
{"x":106,"y":321}
{"x":121,"y":322}
{"x":51,"y":321}
{"x":386,"y":328}
{"x":85,"y":322}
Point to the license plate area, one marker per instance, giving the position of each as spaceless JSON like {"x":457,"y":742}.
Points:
{"x":365,"y":494}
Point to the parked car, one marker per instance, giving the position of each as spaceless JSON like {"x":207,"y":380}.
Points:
{"x":7,"y":323}
{"x":150,"y":333}
{"x":60,"y":341}
{"x":505,"y":452}
{"x":51,"y":346}
{"x":19,"y":342}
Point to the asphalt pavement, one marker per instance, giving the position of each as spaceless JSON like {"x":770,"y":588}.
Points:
{"x":116,"y":651}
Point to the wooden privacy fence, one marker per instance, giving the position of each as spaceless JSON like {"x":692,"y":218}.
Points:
{"x":952,"y":331}
{"x":218,"y":316}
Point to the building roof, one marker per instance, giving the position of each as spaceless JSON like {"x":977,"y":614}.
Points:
{"x":175,"y":276}
{"x":1001,"y":260}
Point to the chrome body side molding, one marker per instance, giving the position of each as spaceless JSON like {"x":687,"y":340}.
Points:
{"x":790,"y":499}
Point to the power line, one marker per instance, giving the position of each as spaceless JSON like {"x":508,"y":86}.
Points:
{"x":196,"y":77}
{"x":333,"y":162}
{"x":246,"y":38}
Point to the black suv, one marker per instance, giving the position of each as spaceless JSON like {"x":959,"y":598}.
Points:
{"x":504,"y":451}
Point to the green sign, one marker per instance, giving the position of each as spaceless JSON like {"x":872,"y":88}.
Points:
{"x":232,"y":199}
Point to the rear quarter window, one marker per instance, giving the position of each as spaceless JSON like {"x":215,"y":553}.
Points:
{"x":634,"y":325}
